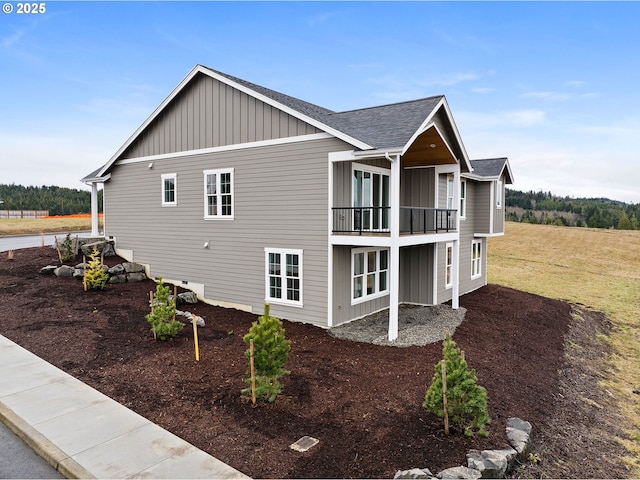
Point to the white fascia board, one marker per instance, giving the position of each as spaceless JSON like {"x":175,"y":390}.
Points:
{"x":361,"y":240}
{"x":457,"y":134}
{"x":200,"y":69}
{"x":491,"y":178}
{"x":478,"y":178}
{"x":507,"y":166}
{"x":226,"y":148}
{"x":343,"y":156}
{"x":428,"y":123}
{"x":96,"y":179}
{"x":363,"y":155}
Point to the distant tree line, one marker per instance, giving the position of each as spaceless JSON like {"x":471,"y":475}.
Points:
{"x":546,"y":208}
{"x":58,"y":200}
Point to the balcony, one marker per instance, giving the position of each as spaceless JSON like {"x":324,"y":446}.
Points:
{"x":375,"y":220}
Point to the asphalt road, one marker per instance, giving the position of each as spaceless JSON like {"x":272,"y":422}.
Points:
{"x":17,"y":460}
{"x":26,"y":241}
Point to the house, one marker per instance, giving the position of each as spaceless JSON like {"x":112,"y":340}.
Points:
{"x":246,"y":195}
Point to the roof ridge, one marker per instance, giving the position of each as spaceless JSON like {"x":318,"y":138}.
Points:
{"x":405,"y":102}
{"x":269,"y":92}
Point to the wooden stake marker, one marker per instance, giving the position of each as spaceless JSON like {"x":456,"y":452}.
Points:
{"x":444,"y":396}
{"x":195,"y":337}
{"x":253,"y":373}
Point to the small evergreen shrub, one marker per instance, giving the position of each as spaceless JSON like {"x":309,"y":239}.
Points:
{"x":163,"y":310}
{"x":66,"y":249}
{"x":95,"y":277}
{"x":466,"y":400}
{"x":271,"y":350}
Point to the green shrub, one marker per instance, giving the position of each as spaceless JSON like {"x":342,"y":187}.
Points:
{"x":95,"y":277}
{"x":271,"y":350}
{"x":466,"y":400}
{"x":66,"y":249}
{"x":163,"y":310}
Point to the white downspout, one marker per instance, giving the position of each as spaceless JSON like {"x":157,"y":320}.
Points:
{"x":394,"y":250}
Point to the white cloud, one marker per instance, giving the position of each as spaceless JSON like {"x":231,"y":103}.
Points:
{"x":526,"y":118}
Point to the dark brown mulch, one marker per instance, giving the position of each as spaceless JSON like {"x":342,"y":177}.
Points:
{"x":362,"y":401}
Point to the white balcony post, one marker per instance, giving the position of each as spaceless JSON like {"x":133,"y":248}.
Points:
{"x":394,"y":250}
{"x":455,"y":267}
{"x":94,"y":210}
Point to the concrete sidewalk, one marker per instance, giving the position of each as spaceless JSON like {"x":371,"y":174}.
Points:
{"x":85,"y":434}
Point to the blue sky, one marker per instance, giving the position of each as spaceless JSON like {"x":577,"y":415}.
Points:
{"x":554,"y":86}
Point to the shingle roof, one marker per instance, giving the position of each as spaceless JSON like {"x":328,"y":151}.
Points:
{"x":383,"y":127}
{"x":491,"y":167}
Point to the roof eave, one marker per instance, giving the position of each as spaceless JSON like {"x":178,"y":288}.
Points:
{"x":206,"y":71}
{"x":428,"y":122}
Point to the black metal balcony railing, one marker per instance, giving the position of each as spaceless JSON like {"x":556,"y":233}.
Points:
{"x":413,"y":220}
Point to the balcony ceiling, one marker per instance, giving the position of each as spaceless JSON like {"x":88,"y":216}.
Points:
{"x":428,"y":149}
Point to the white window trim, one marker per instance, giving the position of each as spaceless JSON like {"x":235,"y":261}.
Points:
{"x":476,"y":261}
{"x":448,"y":266}
{"x":366,"y":297}
{"x":499,"y":194}
{"x":450,"y":192}
{"x":217,"y":172}
{"x":283,"y":252}
{"x":373,"y":170}
{"x":463,"y":199}
{"x":169,"y":176}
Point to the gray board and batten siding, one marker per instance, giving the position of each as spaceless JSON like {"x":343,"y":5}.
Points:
{"x":208,"y":113}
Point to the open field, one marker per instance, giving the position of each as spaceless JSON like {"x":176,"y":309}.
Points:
{"x":597,"y":268}
{"x":36,"y":226}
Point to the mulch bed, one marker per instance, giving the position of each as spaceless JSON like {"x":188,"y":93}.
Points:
{"x":362,"y":401}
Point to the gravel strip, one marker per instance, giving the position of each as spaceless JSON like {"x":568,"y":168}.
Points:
{"x":417,"y":325}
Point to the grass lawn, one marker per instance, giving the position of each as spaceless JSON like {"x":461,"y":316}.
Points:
{"x":36,"y":226}
{"x":597,"y":268}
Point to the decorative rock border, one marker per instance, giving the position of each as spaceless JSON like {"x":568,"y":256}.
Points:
{"x":485,"y":463}
{"x":123,"y":272}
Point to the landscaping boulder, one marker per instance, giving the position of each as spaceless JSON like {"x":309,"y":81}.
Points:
{"x":104,"y":247}
{"x":491,"y":463}
{"x":462,"y":473}
{"x":414,"y":474}
{"x":122,"y":278}
{"x":187,"y":297}
{"x":116,"y":270}
{"x":190,"y":317}
{"x":132,"y":267}
{"x":64,"y":271}
{"x":519,"y":436}
{"x":48,"y":270}
{"x":136,"y":276}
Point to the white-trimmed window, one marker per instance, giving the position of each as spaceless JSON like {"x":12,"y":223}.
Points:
{"x":498,"y":193}
{"x":283,"y":279}
{"x":169,"y":189}
{"x":476,"y":258}
{"x":463,"y":199}
{"x":218,"y":193}
{"x":369,"y":273}
{"x":449,"y":192}
{"x":448,"y":269}
{"x":371,"y":190}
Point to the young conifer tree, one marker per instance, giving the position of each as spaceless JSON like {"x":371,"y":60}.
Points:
{"x":161,"y":318}
{"x":95,"y":278}
{"x":466,"y":400}
{"x":271,"y":350}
